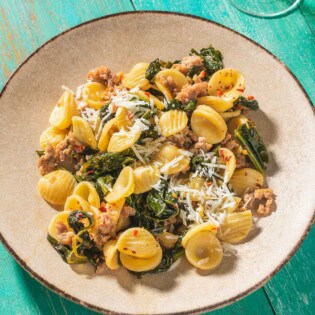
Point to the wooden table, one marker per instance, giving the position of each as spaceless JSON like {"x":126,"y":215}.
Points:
{"x":26,"y":24}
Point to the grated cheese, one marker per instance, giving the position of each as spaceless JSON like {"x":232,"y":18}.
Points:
{"x":174,"y":162}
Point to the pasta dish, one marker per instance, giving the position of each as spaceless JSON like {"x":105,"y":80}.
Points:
{"x":156,"y":164}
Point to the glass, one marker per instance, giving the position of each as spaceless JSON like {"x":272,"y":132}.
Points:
{"x":266,"y":8}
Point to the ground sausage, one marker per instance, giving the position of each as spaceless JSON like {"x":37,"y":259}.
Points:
{"x":187,"y":63}
{"x":64,"y":236}
{"x":192,"y":92}
{"x":260,"y":199}
{"x":104,"y":76}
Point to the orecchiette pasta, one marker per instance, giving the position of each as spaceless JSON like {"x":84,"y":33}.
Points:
{"x":136,"y":77}
{"x":227,"y":83}
{"x":121,"y":141}
{"x":246,"y":178}
{"x":170,"y":159}
{"x":59,"y":223}
{"x":228,"y":115}
{"x":207,"y":226}
{"x":204,"y":251}
{"x":114,"y":210}
{"x":83,"y":132}
{"x":172,"y":122}
{"x":218,"y":104}
{"x":228,"y":158}
{"x":169,"y":80}
{"x":138,"y":242}
{"x":106,"y":134}
{"x":111,"y":255}
{"x":56,"y":186}
{"x":76,"y":202}
{"x":234,"y":122}
{"x":88,"y":192}
{"x":124,"y":185}
{"x":206,"y":122}
{"x":52,"y":136}
{"x":63,"y":112}
{"x":141,"y":264}
{"x":236,"y":227}
{"x":95,"y":94}
{"x":145,"y":177}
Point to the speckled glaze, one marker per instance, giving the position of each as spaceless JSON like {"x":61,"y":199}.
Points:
{"x":286,"y":122}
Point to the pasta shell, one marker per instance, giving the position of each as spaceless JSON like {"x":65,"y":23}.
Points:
{"x":52,"y":136}
{"x":235,"y":122}
{"x":56,"y":186}
{"x":123,"y":187}
{"x":136,"y":77}
{"x":228,"y":115}
{"x":196,"y":183}
{"x":63,"y":112}
{"x":106,"y":134}
{"x":83,"y":132}
{"x":246,"y":178}
{"x":227,"y":83}
{"x":234,"y":207}
{"x":145,"y":177}
{"x":95,"y":95}
{"x":141,"y":264}
{"x":206,"y":122}
{"x":168,"y":153}
{"x":138,"y":242}
{"x":218,"y":104}
{"x":236,"y":227}
{"x":148,"y":97}
{"x":177,"y":79}
{"x":172,"y":122}
{"x":114,"y":210}
{"x":207,"y":226}
{"x":60,"y":218}
{"x":76,"y":202}
{"x":88,"y":192}
{"x":122,"y":141}
{"x":111,"y":255}
{"x":204,"y":251}
{"x":121,"y":117}
{"x":167,"y":240}
{"x":228,"y":158}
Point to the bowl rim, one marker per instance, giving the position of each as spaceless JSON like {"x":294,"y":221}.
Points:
{"x":218,"y":305}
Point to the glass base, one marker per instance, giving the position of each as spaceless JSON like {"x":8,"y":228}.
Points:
{"x":266,"y":8}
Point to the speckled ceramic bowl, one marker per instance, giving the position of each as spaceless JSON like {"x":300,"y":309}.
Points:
{"x":286,"y":122}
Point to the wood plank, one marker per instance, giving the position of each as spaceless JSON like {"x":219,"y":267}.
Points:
{"x":25,"y":25}
{"x":291,"y":291}
{"x":308,"y":10}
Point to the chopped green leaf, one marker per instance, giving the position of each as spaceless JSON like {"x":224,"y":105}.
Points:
{"x":245,"y":102}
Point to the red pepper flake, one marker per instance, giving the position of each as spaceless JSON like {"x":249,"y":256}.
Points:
{"x":219,"y":93}
{"x":125,"y":248}
{"x":147,"y":94}
{"x":90,"y":172}
{"x":250,"y":97}
{"x":133,"y":251}
{"x":135,"y":232}
{"x":240,"y":90}
{"x":103,"y":209}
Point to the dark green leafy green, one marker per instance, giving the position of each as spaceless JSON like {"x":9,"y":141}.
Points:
{"x":245,"y":102}
{"x":176,"y":104}
{"x":102,"y":185}
{"x":194,"y":70}
{"x":104,"y":112}
{"x":80,"y":220}
{"x":251,"y":140}
{"x":65,"y":252}
{"x":103,"y":164}
{"x":156,"y":66}
{"x":40,"y":153}
{"x":212,"y":59}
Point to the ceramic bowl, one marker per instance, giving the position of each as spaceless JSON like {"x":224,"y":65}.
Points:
{"x":286,"y":122}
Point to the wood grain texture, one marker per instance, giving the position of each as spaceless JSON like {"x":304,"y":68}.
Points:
{"x":25,"y":25}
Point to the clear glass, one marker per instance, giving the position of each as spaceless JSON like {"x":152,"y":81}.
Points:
{"x":266,"y":8}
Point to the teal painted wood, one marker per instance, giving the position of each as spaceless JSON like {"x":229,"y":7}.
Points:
{"x":25,"y":25}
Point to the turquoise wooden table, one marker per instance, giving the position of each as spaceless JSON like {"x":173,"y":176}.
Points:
{"x":26,"y":24}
